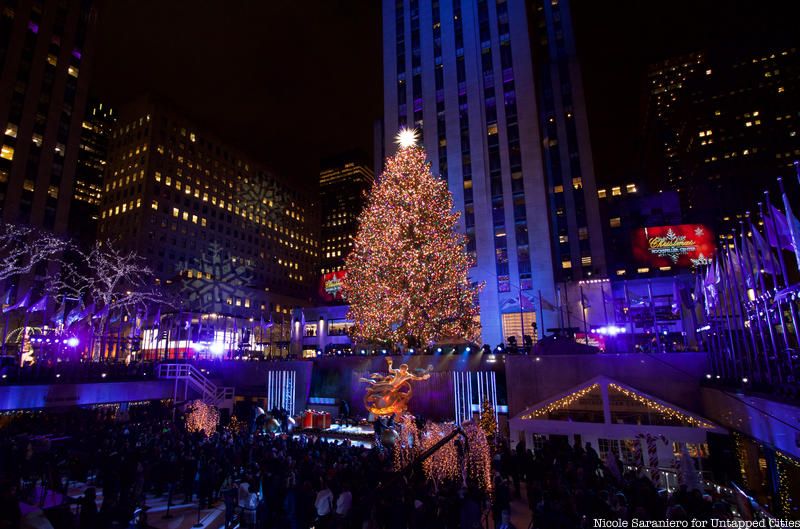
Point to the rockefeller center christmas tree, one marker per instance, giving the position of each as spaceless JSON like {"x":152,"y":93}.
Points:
{"x":407,"y":274}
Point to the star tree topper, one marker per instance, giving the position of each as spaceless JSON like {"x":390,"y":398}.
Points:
{"x":407,"y":138}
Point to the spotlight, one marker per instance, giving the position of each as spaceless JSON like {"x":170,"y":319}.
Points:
{"x":58,"y":375}
{"x":103,"y":375}
{"x":468,"y":349}
{"x":411,"y":351}
{"x":73,"y":342}
{"x":438,"y":349}
{"x":745,"y":380}
{"x":708,"y":375}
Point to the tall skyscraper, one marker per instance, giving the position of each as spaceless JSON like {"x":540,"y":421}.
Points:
{"x":667,"y":89}
{"x":45,"y":47}
{"x":726,"y":126}
{"x":215,"y":226}
{"x":343,"y":181}
{"x":489,"y":83}
{"x":95,"y":132}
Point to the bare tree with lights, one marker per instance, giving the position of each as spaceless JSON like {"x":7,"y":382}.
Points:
{"x":116,"y":282}
{"x":407,"y":276}
{"x":22,"y":248}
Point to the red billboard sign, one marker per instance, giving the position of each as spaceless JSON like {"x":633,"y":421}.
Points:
{"x":330,"y":286}
{"x":682,"y":245}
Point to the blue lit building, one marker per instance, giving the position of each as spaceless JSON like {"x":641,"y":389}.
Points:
{"x":494,"y":88}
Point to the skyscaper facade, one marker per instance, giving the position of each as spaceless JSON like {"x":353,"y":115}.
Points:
{"x":45,"y":50}
{"x":724,"y":127}
{"x":217,"y":227}
{"x":343,"y":183}
{"x":465,"y":74}
{"x":92,"y":158}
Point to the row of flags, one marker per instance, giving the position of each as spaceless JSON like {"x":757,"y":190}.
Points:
{"x":743,"y":261}
{"x":742,"y":293}
{"x":90,"y":312}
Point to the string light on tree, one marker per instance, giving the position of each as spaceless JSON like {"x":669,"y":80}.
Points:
{"x":202,"y":417}
{"x":487,"y":420}
{"x":407,"y":276}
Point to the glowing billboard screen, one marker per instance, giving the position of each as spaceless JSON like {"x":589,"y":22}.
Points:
{"x":681,"y":245}
{"x":330,"y":286}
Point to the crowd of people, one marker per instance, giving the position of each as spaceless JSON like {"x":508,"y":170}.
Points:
{"x":572,"y":486}
{"x":269,"y":481}
{"x":266,"y":480}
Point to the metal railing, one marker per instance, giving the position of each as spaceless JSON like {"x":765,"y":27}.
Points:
{"x":210,"y":392}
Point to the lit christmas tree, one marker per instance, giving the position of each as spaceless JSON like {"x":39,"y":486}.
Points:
{"x":487,"y":421}
{"x":407,"y":274}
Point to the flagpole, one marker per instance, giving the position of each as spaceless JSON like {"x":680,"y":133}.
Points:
{"x":772,"y":221}
{"x":784,"y":330}
{"x":711,"y":318}
{"x":721,"y":341}
{"x":653,"y":310}
{"x":627,"y":307}
{"x":566,"y":305}
{"x":271,"y":348}
{"x":605,"y":309}
{"x":744,"y":260}
{"x":738,"y":308}
{"x":5,"y":323}
{"x":541,"y":314}
{"x":521,"y":318}
{"x":744,"y":308}
{"x":710,"y":341}
{"x":787,"y":211}
{"x":167,"y":338}
{"x":583,"y":313}
{"x":782,"y":283}
{"x":770,"y":328}
{"x":24,"y":332}
{"x":727,"y":300}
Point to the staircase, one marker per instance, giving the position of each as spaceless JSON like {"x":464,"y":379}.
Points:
{"x":210,"y":393}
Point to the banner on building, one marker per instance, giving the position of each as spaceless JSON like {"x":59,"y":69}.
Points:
{"x":330,"y":286}
{"x":681,"y":245}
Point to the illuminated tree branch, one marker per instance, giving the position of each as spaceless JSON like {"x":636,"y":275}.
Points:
{"x":22,"y":248}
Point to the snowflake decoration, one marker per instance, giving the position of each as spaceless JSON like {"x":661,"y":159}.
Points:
{"x":221,"y":278}
{"x":699,"y":231}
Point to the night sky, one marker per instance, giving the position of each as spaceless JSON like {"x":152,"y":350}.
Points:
{"x":291,"y":82}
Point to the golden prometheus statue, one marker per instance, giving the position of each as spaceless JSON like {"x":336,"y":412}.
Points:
{"x":389,"y":394}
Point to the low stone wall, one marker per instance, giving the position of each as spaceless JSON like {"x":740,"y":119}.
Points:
{"x":60,"y":395}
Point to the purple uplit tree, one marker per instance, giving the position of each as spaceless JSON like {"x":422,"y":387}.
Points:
{"x":22,"y":248}
{"x":118,"y":284}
